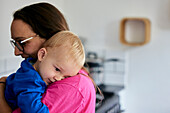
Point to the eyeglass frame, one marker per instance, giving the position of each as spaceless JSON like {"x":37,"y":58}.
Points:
{"x":20,"y":46}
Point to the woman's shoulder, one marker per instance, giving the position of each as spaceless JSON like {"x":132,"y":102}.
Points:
{"x":78,"y":82}
{"x":73,"y":92}
{"x":79,"y":85}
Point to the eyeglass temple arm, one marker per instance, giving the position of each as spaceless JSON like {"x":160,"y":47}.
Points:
{"x":26,"y":39}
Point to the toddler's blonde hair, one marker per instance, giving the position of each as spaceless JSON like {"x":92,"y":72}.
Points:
{"x":72,"y":42}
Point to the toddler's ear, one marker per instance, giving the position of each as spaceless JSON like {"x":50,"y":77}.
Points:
{"x":42,"y":53}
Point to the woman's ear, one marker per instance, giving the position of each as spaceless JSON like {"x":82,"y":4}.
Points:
{"x":42,"y":53}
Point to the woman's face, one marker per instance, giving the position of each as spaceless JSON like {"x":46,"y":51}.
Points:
{"x":21,"y":31}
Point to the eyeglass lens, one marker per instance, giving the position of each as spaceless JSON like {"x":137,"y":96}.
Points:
{"x":17,"y":44}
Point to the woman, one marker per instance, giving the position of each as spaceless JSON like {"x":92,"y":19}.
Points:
{"x":39,"y":21}
{"x":30,"y":28}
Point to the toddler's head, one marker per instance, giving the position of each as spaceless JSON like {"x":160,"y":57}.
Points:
{"x":61,"y":56}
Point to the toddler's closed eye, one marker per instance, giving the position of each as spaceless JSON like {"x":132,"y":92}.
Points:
{"x":57,"y":69}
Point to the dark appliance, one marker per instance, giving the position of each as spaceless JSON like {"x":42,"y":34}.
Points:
{"x":96,"y":67}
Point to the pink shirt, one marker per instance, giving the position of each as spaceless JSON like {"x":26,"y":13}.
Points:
{"x":72,"y":95}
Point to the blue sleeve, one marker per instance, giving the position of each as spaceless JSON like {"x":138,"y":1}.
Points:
{"x":29,"y":96}
{"x":24,"y":89}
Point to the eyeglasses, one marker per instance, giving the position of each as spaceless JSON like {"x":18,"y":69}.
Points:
{"x":20,"y":44}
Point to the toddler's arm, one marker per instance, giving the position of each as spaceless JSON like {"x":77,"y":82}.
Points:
{"x":27,"y":91}
{"x":29,"y":99}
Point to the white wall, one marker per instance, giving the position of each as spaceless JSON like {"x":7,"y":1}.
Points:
{"x":147,"y":81}
{"x":147,"y":77}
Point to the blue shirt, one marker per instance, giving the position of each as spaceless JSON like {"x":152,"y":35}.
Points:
{"x":24,"y":89}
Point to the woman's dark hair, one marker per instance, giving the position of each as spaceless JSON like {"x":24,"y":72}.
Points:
{"x":44,"y":18}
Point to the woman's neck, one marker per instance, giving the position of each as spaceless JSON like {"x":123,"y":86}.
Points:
{"x":35,"y":66}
